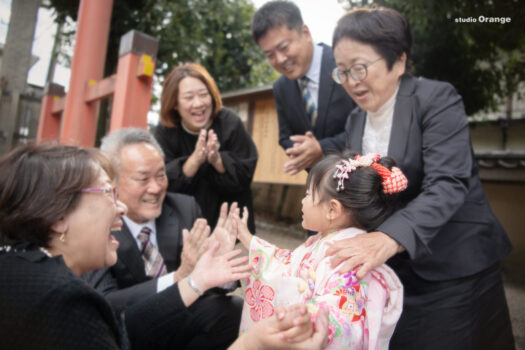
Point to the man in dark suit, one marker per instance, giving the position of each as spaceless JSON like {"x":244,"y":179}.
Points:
{"x":213,"y":319}
{"x":311,"y":108}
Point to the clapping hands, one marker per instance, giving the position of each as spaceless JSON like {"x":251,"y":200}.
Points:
{"x":212,"y":149}
{"x":306,"y":151}
{"x":206,"y":150}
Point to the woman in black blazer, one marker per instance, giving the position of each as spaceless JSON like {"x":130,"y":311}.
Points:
{"x":57,"y":208}
{"x":444,"y":241}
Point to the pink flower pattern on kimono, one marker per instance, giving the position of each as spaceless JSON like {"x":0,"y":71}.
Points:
{"x":260,"y":297}
{"x":284,"y":255}
{"x":259,"y":262}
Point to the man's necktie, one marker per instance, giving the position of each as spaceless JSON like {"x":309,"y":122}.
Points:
{"x":308,"y":100}
{"x":153,"y":261}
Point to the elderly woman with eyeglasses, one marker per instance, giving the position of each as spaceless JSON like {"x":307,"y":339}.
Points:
{"x":444,"y":242}
{"x":57,"y":208}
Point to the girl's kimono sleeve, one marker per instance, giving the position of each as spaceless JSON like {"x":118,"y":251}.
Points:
{"x":363,"y":314}
{"x":385,"y":303}
{"x":269,"y":274}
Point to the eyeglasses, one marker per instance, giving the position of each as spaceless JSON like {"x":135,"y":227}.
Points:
{"x":358,"y":72}
{"x":112,"y":190}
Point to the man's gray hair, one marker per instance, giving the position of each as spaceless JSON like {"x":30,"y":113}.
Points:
{"x":113,"y":143}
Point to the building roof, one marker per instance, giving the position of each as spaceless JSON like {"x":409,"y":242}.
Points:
{"x":501,"y":159}
{"x":246,"y":91}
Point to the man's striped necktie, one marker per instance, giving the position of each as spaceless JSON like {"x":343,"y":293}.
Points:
{"x":153,"y":262}
{"x":308,"y":100}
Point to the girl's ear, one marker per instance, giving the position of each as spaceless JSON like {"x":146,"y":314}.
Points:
{"x":335,"y":209}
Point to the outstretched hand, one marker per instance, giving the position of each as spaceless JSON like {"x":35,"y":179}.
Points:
{"x":225,"y":231}
{"x":363,"y":252}
{"x":192,"y":247}
{"x":214,"y":270}
{"x":243,"y":233}
{"x":306,"y":151}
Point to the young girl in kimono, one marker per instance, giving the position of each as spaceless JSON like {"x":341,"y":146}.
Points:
{"x":345,"y":197}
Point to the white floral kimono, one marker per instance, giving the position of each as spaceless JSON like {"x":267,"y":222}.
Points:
{"x":363,"y":314}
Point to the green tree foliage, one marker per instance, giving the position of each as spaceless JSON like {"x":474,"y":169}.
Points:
{"x":459,"y":41}
{"x":214,"y":33}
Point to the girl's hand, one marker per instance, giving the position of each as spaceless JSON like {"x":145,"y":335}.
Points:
{"x":243,"y":233}
{"x":290,"y":328}
{"x":294,"y":323}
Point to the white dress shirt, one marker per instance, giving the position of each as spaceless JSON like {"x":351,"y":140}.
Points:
{"x":314,"y":74}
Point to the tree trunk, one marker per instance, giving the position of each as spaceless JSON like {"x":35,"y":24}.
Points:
{"x":16,"y":62}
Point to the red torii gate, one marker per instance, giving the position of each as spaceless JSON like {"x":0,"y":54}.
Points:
{"x":131,"y":86}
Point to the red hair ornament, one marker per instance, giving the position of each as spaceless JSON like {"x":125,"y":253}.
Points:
{"x":394,"y":181}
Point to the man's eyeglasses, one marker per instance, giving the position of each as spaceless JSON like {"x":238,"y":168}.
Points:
{"x":112,"y":190}
{"x":357,"y":71}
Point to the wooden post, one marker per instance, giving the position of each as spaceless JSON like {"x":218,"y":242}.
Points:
{"x":49,"y":122}
{"x":80,"y":118}
{"x":134,"y":80}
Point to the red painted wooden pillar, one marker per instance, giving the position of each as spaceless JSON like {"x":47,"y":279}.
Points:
{"x":79,"y":120}
{"x":134,"y":80}
{"x":49,"y":122}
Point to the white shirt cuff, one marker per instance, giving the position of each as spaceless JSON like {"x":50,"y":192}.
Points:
{"x":165,"y":281}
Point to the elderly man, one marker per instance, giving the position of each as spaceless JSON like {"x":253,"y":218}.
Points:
{"x":156,"y":250}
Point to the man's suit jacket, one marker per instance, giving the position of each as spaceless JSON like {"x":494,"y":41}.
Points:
{"x":334,"y":106}
{"x":445,"y":222}
{"x":126,"y":283}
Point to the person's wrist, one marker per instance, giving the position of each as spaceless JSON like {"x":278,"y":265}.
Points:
{"x":396,"y":247}
{"x":189,"y":167}
{"x":194,"y":285}
{"x":194,"y":160}
{"x":177,"y":276}
{"x":218,"y":165}
{"x":198,"y":281}
{"x":181,"y":272}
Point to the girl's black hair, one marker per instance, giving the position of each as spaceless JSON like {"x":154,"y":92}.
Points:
{"x":362,"y":196}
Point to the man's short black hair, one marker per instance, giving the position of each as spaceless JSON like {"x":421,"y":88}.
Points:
{"x":275,"y":14}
